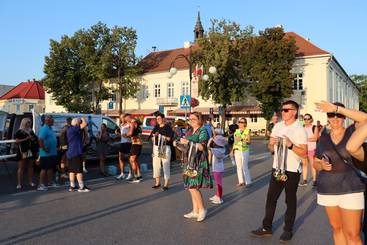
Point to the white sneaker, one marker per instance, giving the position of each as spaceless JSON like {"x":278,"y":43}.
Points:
{"x":32,"y":184}
{"x":53,"y":185}
{"x":191,"y":215}
{"x":212,"y":198}
{"x":217,"y":200}
{"x":120,"y":177}
{"x":201,"y":215}
{"x":42,"y":187}
{"x":129,"y":177}
{"x":19,"y":187}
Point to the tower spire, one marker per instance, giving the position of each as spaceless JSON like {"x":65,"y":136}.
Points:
{"x":199,"y":30}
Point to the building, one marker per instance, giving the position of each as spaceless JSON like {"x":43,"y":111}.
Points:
{"x":23,"y":98}
{"x":318,"y":76}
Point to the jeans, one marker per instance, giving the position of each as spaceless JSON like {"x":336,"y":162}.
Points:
{"x":274,"y":191}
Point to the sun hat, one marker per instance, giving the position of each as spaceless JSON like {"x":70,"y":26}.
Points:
{"x":219,"y":140}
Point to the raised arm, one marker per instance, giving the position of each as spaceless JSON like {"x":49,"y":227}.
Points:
{"x":354,"y":145}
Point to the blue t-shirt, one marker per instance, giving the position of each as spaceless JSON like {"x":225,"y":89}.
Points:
{"x":75,"y":144}
{"x":49,"y":140}
{"x":208,"y":128}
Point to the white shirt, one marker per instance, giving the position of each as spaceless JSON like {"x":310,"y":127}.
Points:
{"x":124,"y":130}
{"x":297,"y":134}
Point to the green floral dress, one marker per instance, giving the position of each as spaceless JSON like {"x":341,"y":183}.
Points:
{"x":203,"y":179}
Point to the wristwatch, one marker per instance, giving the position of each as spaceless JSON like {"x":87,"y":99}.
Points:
{"x":290,"y":147}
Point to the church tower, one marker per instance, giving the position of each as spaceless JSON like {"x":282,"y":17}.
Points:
{"x":199,"y":30}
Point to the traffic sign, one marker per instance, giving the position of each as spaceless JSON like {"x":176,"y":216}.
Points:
{"x":161,"y":109}
{"x":185,"y":101}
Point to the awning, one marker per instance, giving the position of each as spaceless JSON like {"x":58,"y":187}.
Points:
{"x":231,"y":110}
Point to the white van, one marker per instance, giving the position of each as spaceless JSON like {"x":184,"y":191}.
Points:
{"x":150,"y":121}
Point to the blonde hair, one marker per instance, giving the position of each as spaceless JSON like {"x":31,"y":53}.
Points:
{"x":23,"y":125}
{"x":75,"y":121}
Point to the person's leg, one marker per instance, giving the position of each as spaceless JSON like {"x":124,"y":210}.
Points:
{"x":313,"y":170}
{"x":79,"y":177}
{"x":121,"y":163}
{"x":72,"y":179}
{"x":352,"y":225}
{"x":167,"y":167}
{"x":231,"y":155}
{"x":239,"y":163}
{"x":218,"y":176}
{"x":335,"y":220}
{"x":30,"y":171}
{"x":156,"y":168}
{"x":195,"y":209}
{"x":198,"y":199}
{"x":291,"y":186}
{"x":42,"y":176}
{"x":50,"y":176}
{"x":132,"y":161}
{"x":274,"y":191}
{"x":246,"y":171}
{"x":21,"y":166}
{"x":304,"y":169}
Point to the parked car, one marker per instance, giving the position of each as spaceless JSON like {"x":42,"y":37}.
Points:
{"x":9,"y":124}
{"x":149,"y":122}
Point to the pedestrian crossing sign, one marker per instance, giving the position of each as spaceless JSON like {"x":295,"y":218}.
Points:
{"x":185,"y":101}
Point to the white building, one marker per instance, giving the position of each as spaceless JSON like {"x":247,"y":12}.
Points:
{"x":319,"y":76}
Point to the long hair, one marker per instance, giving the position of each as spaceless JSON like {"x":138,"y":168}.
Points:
{"x":23,"y":125}
{"x":199,"y":117}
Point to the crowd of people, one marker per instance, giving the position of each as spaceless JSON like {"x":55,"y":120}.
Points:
{"x":334,"y":154}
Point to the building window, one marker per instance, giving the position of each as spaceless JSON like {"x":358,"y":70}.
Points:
{"x":113,"y":98}
{"x":157,"y":90}
{"x":170,"y":90}
{"x":254,"y":118}
{"x":298,"y":82}
{"x":30,"y":107}
{"x":17,"y":108}
{"x":185,"y":88}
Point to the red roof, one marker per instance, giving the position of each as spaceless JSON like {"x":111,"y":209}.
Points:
{"x":305,"y":47}
{"x":26,"y":90}
{"x":161,"y":61}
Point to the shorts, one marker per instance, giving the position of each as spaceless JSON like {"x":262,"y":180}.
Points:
{"x":125,"y":148}
{"x":76,"y":164}
{"x":48,"y":163}
{"x":311,"y":153}
{"x":136,"y":150}
{"x":352,"y":201}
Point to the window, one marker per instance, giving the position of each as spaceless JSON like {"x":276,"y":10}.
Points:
{"x":185,"y":88}
{"x":17,"y":108}
{"x":298,"y":82}
{"x":157,"y":90}
{"x":111,"y":126}
{"x":170,"y":90}
{"x":30,"y":107}
{"x":113,"y":98}
{"x":254,"y":118}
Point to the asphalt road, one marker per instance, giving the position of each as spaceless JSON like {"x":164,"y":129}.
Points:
{"x":121,"y":213}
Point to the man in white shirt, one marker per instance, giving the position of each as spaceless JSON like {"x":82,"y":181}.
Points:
{"x":286,"y":169}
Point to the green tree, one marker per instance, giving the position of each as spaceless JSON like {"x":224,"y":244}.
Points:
{"x":361,"y":81}
{"x":78,"y":67}
{"x":125,"y":70}
{"x":220,"y":47}
{"x":272,"y":57}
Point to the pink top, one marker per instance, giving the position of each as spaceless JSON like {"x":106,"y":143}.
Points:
{"x":310,"y":145}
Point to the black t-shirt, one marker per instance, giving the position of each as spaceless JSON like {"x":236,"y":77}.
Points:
{"x":30,"y":144}
{"x":166,"y":130}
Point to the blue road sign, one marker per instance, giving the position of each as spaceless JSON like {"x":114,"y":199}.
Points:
{"x":161,"y":109}
{"x":185,"y":101}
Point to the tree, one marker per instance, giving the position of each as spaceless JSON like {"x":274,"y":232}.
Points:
{"x":272,"y":57}
{"x":78,"y":67}
{"x":361,"y":81}
{"x":125,"y":69}
{"x":220,"y":48}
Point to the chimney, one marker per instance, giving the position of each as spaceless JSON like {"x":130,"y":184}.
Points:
{"x":154,"y":48}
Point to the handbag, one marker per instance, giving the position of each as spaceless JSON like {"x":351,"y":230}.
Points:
{"x":362,"y":175}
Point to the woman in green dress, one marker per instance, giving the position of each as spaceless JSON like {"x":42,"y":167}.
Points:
{"x":201,"y":178}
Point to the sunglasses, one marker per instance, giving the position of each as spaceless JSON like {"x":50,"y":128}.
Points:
{"x":333,"y":115}
{"x":307,"y":119}
{"x":286,"y":110}
{"x":241,"y":122}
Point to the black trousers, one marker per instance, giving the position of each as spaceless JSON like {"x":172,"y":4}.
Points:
{"x":275,"y":189}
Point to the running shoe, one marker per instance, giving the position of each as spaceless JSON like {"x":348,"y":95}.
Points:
{"x":191,"y":215}
{"x":201,"y":215}
{"x":129,"y":177}
{"x":42,"y":187}
{"x":19,"y":187}
{"x":261,"y":232}
{"x":212,"y":198}
{"x":217,"y":200}
{"x":303,"y":183}
{"x":286,"y":236}
{"x":72,"y":189}
{"x":120,"y":177}
{"x":165,"y":188}
{"x":84,"y":189}
{"x":140,"y":178}
{"x":156,"y":186}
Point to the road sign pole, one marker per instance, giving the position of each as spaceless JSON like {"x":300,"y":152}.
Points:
{"x":186,"y":114}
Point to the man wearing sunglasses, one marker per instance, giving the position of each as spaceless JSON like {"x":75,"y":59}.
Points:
{"x":291,"y":134}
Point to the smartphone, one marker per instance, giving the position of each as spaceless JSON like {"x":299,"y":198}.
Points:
{"x":326,"y":158}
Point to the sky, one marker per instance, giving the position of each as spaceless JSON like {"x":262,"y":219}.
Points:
{"x":27,"y":26}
